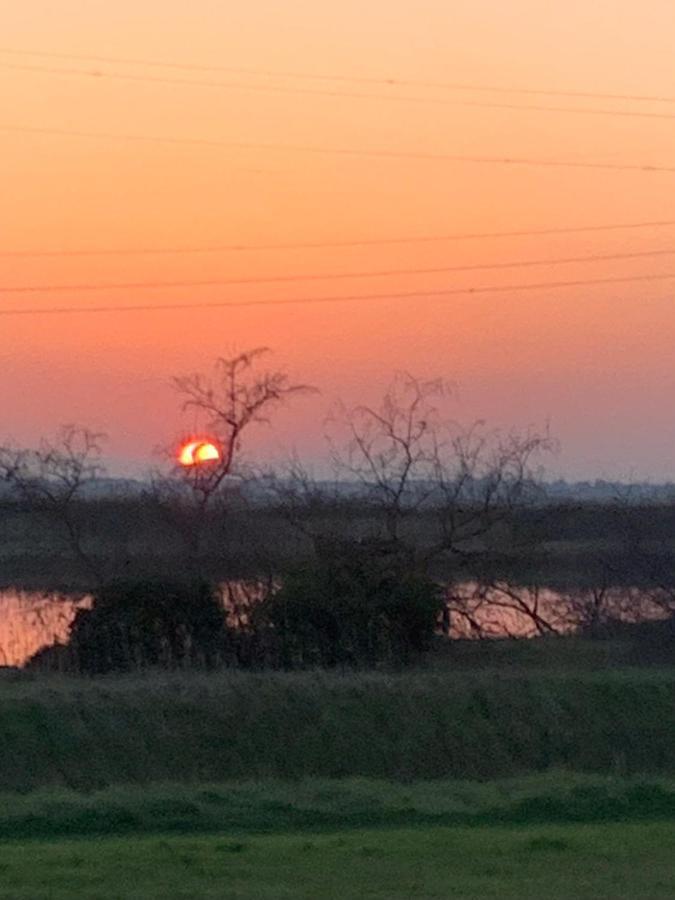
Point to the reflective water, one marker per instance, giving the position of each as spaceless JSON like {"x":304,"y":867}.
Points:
{"x":30,"y":620}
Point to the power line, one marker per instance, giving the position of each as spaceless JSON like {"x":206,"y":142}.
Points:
{"x":333,"y":276}
{"x":348,"y":79}
{"x":345,"y":298}
{"x":319,"y":245}
{"x":341,"y":151}
{"x":262,"y":88}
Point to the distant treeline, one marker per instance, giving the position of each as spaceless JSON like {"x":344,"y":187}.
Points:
{"x":559,"y":491}
{"x":567,"y":545}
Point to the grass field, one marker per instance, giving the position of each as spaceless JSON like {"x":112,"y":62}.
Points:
{"x":275,"y":806}
{"x":418,"y":725}
{"x":590,"y":862}
{"x":559,"y":836}
{"x":318,"y":786}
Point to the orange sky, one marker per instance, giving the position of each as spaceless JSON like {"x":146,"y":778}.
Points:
{"x":595,"y":361}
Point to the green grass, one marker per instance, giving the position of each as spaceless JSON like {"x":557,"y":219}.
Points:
{"x":324,"y":805}
{"x":418,"y":725}
{"x":558,"y":836}
{"x":590,"y":862}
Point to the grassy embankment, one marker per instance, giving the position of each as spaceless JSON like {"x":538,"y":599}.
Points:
{"x":417,"y":725}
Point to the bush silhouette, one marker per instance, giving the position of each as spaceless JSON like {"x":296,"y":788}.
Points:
{"x":359,"y":604}
{"x":136,"y":624}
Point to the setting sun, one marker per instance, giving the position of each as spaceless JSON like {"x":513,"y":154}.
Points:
{"x":195,"y":453}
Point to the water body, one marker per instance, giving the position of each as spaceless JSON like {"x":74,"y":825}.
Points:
{"x":31,"y":620}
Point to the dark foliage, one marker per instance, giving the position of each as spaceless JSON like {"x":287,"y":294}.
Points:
{"x":650,"y":642}
{"x":359,"y":604}
{"x":136,"y":624}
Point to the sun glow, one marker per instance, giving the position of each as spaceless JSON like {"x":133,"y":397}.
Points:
{"x":195,"y":453}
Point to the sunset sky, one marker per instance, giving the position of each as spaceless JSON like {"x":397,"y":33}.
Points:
{"x":596,"y":361}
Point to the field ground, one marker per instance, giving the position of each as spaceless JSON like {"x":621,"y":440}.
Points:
{"x":582,"y":862}
{"x":558,"y":835}
{"x":509,"y":782}
{"x":274,"y":806}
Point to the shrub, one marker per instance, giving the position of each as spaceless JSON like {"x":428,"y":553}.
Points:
{"x":651,"y":642}
{"x":359,"y":604}
{"x":134,"y":624}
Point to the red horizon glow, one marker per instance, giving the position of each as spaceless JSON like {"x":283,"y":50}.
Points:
{"x":593,"y":359}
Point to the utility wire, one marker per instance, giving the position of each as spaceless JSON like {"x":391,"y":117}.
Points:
{"x":319,"y":245}
{"x":348,"y":298}
{"x":340,"y":151}
{"x":261,"y":88}
{"x":348,"y":79}
{"x":332,"y":276}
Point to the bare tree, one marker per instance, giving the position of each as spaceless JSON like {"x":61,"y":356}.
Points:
{"x":481,"y":610}
{"x":449,"y":497}
{"x":501,"y":609}
{"x":229,"y":400}
{"x":53,"y":478}
{"x":390,"y":448}
{"x":480,"y":480}
{"x":406,"y":456}
{"x":438,"y":498}
{"x":589,"y":610}
{"x":642,"y":557}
